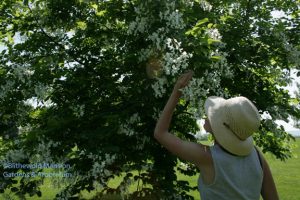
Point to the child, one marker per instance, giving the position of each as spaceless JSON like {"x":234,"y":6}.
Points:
{"x":232,"y":168}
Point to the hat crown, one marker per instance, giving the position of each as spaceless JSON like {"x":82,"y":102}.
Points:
{"x":242,"y":117}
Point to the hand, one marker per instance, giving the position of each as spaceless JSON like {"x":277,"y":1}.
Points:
{"x":183,"y":80}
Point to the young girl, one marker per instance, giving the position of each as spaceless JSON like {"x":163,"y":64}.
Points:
{"x":232,"y":168}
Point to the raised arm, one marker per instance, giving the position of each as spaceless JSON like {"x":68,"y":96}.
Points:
{"x":189,"y":151}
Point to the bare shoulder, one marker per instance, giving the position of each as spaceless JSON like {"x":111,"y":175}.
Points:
{"x":203,"y":155}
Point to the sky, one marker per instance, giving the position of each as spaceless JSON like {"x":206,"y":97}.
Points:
{"x":292,"y":88}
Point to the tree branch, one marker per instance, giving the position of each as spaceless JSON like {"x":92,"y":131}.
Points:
{"x":54,"y":41}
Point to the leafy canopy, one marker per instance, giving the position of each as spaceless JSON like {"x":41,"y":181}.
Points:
{"x":83,"y":83}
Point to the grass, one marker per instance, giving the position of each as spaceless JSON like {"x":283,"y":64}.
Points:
{"x":286,"y":175}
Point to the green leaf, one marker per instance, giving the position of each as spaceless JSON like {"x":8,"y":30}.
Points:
{"x":216,"y":58}
{"x":210,"y":25}
{"x":101,"y":13}
{"x":212,"y":41}
{"x":201,"y":22}
{"x":81,"y":25}
{"x":10,"y":39}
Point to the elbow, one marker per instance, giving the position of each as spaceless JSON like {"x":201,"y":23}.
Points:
{"x":159,"y":136}
{"x":156,"y":135}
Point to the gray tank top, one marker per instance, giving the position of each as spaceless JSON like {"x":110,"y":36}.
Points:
{"x":236,"y":177}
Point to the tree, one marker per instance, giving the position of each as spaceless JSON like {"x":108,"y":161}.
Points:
{"x":83,"y":83}
{"x":296,"y":122}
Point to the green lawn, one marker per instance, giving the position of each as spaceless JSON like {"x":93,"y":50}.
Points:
{"x":286,"y":175}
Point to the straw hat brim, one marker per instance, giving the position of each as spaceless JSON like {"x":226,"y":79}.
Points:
{"x":214,"y":108}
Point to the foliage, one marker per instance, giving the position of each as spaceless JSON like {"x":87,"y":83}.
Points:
{"x":83,"y":82}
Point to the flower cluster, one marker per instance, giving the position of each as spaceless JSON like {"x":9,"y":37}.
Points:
{"x":172,"y":16}
{"x":22,"y":73}
{"x":193,"y":92}
{"x":24,"y":129}
{"x":15,"y":155}
{"x":142,"y":140}
{"x":78,"y":110}
{"x":157,"y":38}
{"x":9,"y":86}
{"x":173,"y":58}
{"x":141,"y":22}
{"x":159,"y":86}
{"x":292,"y":51}
{"x":162,"y":45}
{"x":205,"y":5}
{"x":156,"y":113}
{"x":214,"y":33}
{"x":126,"y":128}
{"x":65,"y":194}
{"x":176,"y":59}
{"x":100,"y":163}
{"x":43,"y":150}
{"x":222,"y":66}
{"x":41,"y":91}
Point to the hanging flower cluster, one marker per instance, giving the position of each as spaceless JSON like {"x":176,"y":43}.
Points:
{"x":206,"y":5}
{"x":23,"y":73}
{"x":176,"y":59}
{"x":141,"y":22}
{"x":209,"y":82}
{"x":6,"y":88}
{"x":293,"y":52}
{"x":126,"y":128}
{"x":78,"y":110}
{"x":100,"y":163}
{"x":171,"y":59}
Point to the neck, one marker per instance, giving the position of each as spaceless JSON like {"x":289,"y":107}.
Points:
{"x":225,"y":150}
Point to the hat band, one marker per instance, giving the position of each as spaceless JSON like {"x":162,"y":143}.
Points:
{"x":227,"y":126}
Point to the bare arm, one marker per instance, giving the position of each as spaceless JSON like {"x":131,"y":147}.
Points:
{"x":189,"y":151}
{"x":268,"y":191}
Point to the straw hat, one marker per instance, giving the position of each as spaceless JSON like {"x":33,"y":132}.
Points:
{"x":233,"y":121}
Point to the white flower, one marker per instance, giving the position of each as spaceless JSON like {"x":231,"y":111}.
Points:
{"x":78,"y":110}
{"x":141,"y":22}
{"x":43,"y":150}
{"x":41,"y":90}
{"x":293,"y":52}
{"x":205,"y":5}
{"x":122,"y":89}
{"x":22,"y":72}
{"x":142,"y":140}
{"x":214,"y":33}
{"x":16,"y":155}
{"x":134,"y":118}
{"x":96,"y":170}
{"x":156,"y":113}
{"x":159,"y":87}
{"x":9,"y":86}
{"x":172,"y":17}
{"x":125,"y":129}
{"x":144,"y":54}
